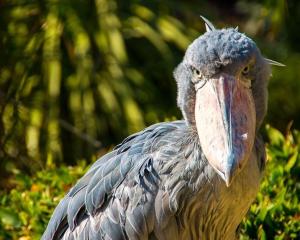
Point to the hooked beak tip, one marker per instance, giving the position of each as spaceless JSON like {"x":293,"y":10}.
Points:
{"x":230,"y":170}
{"x":228,"y":176}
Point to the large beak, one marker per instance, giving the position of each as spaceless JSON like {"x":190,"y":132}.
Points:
{"x":225,"y":119}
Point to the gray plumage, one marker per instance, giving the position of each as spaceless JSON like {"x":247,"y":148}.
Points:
{"x":158,"y":183}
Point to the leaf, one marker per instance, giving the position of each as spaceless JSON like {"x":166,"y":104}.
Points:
{"x":261,"y":233}
{"x":10,"y":218}
{"x":275,"y":136}
{"x":291,"y":162}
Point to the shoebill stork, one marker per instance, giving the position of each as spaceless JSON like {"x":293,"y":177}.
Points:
{"x":189,"y":179}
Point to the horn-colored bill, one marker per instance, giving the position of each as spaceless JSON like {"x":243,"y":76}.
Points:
{"x":225,"y":120}
{"x":272,"y":62}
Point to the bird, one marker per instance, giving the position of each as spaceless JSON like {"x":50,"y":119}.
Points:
{"x":193,"y":178}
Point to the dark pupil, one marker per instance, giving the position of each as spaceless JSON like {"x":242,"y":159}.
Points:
{"x":246,"y":69}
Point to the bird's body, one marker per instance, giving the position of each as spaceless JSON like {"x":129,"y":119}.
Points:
{"x":155,"y":186}
{"x":189,"y":179}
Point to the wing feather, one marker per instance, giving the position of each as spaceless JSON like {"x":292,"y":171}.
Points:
{"x":115,"y":198}
{"x":75,"y":205}
{"x":58,"y":220}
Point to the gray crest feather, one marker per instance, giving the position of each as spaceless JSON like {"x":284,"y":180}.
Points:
{"x":275,"y":63}
{"x":208,"y":25}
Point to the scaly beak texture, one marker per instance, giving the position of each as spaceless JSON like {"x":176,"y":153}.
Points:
{"x":225,"y":119}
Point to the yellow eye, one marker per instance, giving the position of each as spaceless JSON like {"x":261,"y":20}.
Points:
{"x":246,"y":70}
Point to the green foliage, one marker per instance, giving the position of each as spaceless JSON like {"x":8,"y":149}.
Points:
{"x":276,"y":211}
{"x":26,"y":209}
{"x":75,"y":71}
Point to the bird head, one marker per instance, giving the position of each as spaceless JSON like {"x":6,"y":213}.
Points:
{"x":222,"y":92}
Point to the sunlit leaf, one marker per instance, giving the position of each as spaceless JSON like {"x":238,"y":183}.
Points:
{"x":292,"y":161}
{"x":276,"y":137}
{"x":10,"y":218}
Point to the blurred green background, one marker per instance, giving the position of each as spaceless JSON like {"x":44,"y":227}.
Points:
{"x":77,"y":76}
